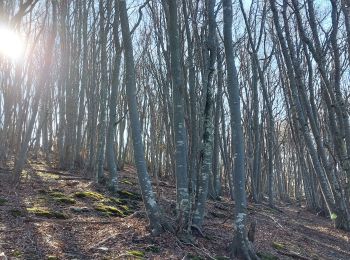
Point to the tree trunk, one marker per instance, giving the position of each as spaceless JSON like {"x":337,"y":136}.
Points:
{"x":241,"y":246}
{"x":151,"y":205}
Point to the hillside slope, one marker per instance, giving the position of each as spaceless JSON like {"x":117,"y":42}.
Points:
{"x":59,"y":215}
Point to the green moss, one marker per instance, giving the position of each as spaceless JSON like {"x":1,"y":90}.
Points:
{"x":2,"y":201}
{"x":129,"y":195}
{"x":136,"y":253}
{"x":16,"y":213}
{"x":118,"y":201}
{"x":89,"y":195}
{"x":125,"y":207}
{"x":125,"y":181}
{"x":278,"y":246}
{"x":109,"y":210}
{"x":42,"y":212}
{"x":57,"y":194}
{"x":221,"y":258}
{"x":266,"y":256}
{"x":62,"y":198}
{"x":52,"y":257}
{"x":125,"y":193}
{"x":48,"y":176}
{"x":17,"y":253}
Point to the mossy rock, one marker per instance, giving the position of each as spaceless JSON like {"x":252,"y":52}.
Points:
{"x":42,"y":212}
{"x":118,"y":201}
{"x":48,"y":176}
{"x":129,"y":195}
{"x":109,"y":210}
{"x":80,"y":209}
{"x":125,"y":208}
{"x":266,"y":256}
{"x":52,"y":257}
{"x":62,"y":198}
{"x":136,"y":253}
{"x":65,"y":200}
{"x":124,"y":203}
{"x":218,"y":214}
{"x":278,"y":246}
{"x":40,"y":200}
{"x":3,"y":201}
{"x":152,"y":248}
{"x":125,"y":181}
{"x":16,"y":213}
{"x":16,"y":253}
{"x":89,"y":195}
{"x":57,"y":194}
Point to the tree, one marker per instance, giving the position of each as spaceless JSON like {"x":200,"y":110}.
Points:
{"x":182,"y":195}
{"x":208,"y":128}
{"x":22,"y":153}
{"x":241,"y":246}
{"x":151,"y":205}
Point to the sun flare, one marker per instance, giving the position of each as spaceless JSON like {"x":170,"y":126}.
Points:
{"x":11,"y":44}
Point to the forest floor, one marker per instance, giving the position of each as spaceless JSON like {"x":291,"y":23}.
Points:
{"x":54,"y":214}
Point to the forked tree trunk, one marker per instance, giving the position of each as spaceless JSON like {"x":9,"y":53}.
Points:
{"x":208,"y":128}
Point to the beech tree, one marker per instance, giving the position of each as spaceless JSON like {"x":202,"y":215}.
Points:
{"x":144,"y":180}
{"x":241,"y":246}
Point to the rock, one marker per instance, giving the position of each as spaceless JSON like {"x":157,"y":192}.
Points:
{"x":72,"y":183}
{"x":79,"y":209}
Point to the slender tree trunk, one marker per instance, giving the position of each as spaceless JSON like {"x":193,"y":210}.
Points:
{"x":241,"y":246}
{"x":151,"y":205}
{"x":181,"y":173}
{"x":110,"y":142}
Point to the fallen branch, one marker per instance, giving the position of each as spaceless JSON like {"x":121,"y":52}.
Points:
{"x":273,"y":219}
{"x":202,"y":250}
